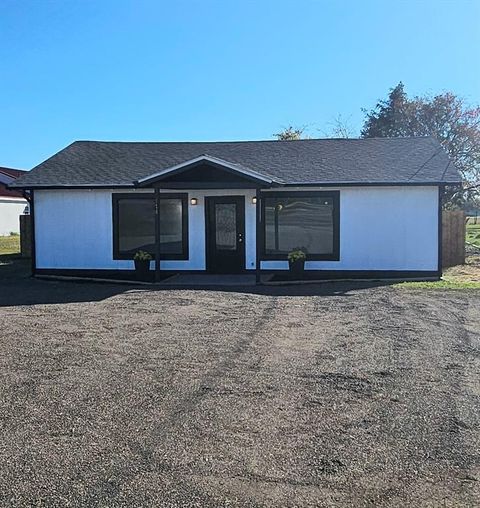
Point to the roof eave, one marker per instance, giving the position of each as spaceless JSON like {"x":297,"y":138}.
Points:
{"x":370,"y":183}
{"x":27,"y":186}
{"x":133,"y":185}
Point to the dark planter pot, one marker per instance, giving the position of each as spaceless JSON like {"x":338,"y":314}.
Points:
{"x":142,"y":269}
{"x":297,"y":268}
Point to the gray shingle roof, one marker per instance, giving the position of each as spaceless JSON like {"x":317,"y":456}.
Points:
{"x":313,"y":161}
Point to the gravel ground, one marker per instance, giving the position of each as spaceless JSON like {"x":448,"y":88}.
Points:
{"x":328,"y":395}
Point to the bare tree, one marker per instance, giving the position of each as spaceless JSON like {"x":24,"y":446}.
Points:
{"x":340,"y":128}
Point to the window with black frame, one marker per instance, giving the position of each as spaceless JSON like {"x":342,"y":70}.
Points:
{"x":134,"y":225}
{"x":309,"y":221}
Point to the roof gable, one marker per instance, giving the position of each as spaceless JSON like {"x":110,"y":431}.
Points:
{"x":7,"y":177}
{"x":196,"y":169}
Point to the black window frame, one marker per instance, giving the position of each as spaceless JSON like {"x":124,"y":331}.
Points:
{"x":333,"y":195}
{"x":116,"y":197}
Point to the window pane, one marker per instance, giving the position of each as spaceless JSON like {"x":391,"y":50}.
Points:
{"x":299,"y":222}
{"x":136,"y":225}
{"x":226,"y":226}
{"x":171,"y":226}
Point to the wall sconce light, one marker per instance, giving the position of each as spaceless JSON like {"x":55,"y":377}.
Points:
{"x":254,"y":200}
{"x":193,"y":201}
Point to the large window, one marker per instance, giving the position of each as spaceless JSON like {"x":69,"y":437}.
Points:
{"x":134,"y":225}
{"x":306,"y":220}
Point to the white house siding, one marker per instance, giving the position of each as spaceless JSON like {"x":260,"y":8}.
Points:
{"x":384,"y":228}
{"x":10,"y":211}
{"x":381,"y":228}
{"x":73,"y":230}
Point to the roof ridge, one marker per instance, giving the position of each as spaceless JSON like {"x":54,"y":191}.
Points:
{"x":252,"y":141}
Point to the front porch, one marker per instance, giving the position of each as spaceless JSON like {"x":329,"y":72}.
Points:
{"x":208,"y":215}
{"x":221,"y":221}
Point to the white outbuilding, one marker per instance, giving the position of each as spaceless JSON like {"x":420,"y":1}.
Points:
{"x":12,"y":202}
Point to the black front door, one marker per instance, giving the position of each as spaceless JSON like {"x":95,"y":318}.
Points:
{"x":225,"y":234}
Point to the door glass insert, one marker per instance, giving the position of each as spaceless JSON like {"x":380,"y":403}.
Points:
{"x":225,"y":226}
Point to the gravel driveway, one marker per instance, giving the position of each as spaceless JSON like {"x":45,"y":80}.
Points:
{"x":328,"y":395}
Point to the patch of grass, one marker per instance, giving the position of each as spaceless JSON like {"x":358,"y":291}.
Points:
{"x":439,"y":284}
{"x":9,"y":244}
{"x":473,"y":233}
{"x":465,"y":276}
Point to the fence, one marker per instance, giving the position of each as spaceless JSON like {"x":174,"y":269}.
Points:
{"x":26,"y":236}
{"x":453,"y":238}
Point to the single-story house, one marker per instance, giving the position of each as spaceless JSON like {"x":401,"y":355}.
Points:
{"x":361,"y":208}
{"x":12,"y":202}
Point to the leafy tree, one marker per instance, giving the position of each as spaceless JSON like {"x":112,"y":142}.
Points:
{"x":290,"y":133}
{"x":446,"y":117}
{"x":389,"y":118}
{"x":339,"y":128}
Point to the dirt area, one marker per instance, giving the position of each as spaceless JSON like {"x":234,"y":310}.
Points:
{"x":469,"y":272}
{"x":323,"y":395}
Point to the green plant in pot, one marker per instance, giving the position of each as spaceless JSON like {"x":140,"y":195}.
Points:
{"x":142,"y":264}
{"x":296,"y":261}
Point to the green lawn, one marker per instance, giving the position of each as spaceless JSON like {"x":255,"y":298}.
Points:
{"x":466,"y":276}
{"x":473,"y":233}
{"x":9,"y":244}
{"x":440,"y":284}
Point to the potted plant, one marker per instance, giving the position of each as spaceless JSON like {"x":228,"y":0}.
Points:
{"x":142,"y":264}
{"x":296,"y":262}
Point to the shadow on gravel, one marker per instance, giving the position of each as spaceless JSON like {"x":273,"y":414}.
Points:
{"x":340,"y":288}
{"x":42,"y":292}
{"x":14,"y":267}
{"x":18,"y":288}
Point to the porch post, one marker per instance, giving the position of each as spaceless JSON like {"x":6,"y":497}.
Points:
{"x":157,"y":234}
{"x":258,"y":236}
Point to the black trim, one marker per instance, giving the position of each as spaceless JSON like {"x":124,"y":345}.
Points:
{"x":359,"y":274}
{"x":371,"y":184}
{"x":440,"y":231}
{"x":309,"y":274}
{"x":112,"y":274}
{"x":258,"y":235}
{"x":32,"y":232}
{"x":116,"y":196}
{"x":208,"y":185}
{"x":75,"y":187}
{"x":335,"y":196}
{"x":264,"y":185}
{"x":157,"y":234}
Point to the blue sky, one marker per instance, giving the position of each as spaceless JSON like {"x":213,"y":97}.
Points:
{"x":217,"y":69}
